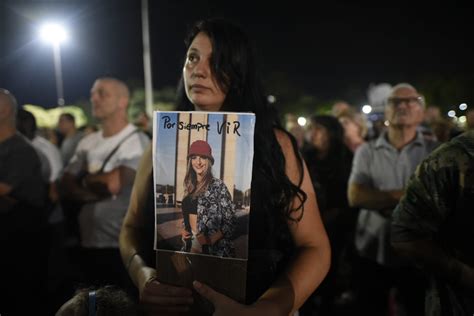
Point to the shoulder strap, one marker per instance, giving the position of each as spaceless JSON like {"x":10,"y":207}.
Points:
{"x":115,"y":150}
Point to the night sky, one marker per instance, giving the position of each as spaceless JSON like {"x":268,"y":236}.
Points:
{"x":334,"y":50}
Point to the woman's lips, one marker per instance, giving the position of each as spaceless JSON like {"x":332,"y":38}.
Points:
{"x":198,"y":87}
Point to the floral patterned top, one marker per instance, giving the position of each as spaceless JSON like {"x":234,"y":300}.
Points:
{"x":215,"y":212}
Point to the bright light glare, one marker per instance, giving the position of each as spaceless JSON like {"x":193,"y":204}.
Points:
{"x":452,"y":113}
{"x":271,"y":99}
{"x":462,"y":106}
{"x":53,"y":33}
{"x":386,"y":123}
{"x":366,"y":109}
{"x":301,"y":121}
{"x":462,"y":119}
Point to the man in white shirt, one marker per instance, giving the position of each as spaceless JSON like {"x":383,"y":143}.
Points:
{"x":100,"y":177}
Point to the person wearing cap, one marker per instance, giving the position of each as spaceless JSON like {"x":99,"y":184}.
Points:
{"x":206,"y":197}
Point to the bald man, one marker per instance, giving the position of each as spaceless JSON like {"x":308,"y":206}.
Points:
{"x":23,"y":219}
{"x":99,"y":178}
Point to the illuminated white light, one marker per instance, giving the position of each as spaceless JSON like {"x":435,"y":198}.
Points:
{"x":271,"y":99}
{"x":462,"y":106}
{"x":301,"y":121}
{"x":386,"y":123}
{"x":53,"y":33}
{"x":452,"y":113}
{"x":462,"y":119}
{"x":366,"y":109}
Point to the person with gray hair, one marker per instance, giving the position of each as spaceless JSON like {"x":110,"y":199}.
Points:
{"x":380,"y":171}
{"x":23,"y":218}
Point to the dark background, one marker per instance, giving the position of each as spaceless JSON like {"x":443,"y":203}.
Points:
{"x":322,"y":50}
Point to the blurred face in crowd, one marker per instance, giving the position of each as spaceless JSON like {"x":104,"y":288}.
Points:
{"x":432,"y":114}
{"x":200,"y":164}
{"x":299,"y":133}
{"x":200,"y":84}
{"x":351,"y":129}
{"x":108,"y":98}
{"x":339,"y":107}
{"x":319,"y":137}
{"x":404,"y":108}
{"x":65,"y":125}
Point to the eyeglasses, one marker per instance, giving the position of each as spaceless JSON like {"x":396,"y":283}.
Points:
{"x":395,"y":101}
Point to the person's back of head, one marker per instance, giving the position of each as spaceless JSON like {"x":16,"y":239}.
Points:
{"x":105,"y":301}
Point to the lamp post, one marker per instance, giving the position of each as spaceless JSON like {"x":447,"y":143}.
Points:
{"x":55,"y":34}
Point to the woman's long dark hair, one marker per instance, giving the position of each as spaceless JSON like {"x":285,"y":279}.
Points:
{"x":234,"y":68}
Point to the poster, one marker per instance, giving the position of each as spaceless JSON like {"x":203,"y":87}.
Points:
{"x":202,"y":175}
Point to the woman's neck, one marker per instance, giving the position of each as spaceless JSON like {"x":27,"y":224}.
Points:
{"x":199,"y":178}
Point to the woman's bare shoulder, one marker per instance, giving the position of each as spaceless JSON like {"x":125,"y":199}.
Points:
{"x":287,"y":147}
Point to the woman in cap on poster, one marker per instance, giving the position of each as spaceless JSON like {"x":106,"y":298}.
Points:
{"x":208,"y":211}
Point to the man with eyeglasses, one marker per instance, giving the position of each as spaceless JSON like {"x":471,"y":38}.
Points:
{"x":381,"y":170}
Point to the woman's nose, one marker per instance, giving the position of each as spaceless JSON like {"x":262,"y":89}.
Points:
{"x":201,"y":70}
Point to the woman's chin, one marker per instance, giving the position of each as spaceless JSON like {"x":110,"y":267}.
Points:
{"x":205,"y":106}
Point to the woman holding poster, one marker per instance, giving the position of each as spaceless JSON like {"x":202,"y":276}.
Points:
{"x":208,"y":211}
{"x":288,"y":248}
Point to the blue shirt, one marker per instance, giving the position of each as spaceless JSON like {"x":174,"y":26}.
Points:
{"x":379,"y":165}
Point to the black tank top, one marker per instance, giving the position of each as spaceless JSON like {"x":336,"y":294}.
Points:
{"x":189,"y":205}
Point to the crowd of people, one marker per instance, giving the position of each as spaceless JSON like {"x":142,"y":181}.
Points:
{"x":345,"y":219}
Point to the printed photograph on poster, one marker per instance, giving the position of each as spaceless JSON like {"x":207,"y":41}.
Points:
{"x":202,"y":177}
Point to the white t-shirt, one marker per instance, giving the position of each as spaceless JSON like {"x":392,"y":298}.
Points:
{"x":100,"y":222}
{"x":52,"y":153}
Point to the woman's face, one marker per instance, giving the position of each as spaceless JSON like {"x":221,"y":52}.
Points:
{"x":351,"y":129}
{"x":200,"y":164}
{"x":200,"y":85}
{"x":319,"y":137}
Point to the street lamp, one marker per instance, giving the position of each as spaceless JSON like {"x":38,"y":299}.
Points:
{"x":55,"y":34}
